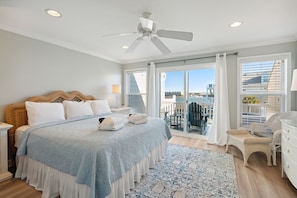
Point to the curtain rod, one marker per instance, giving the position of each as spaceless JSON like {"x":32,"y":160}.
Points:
{"x":213,"y":56}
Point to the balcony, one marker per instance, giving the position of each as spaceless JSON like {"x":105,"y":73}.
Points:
{"x":170,"y":108}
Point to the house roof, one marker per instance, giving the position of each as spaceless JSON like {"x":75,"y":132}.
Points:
{"x":253,"y":80}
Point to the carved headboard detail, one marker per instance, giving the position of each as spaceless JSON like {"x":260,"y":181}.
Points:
{"x":16,"y":114}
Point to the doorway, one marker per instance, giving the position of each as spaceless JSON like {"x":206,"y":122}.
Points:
{"x":181,"y":86}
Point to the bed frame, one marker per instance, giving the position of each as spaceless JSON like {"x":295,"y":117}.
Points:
{"x":16,"y":113}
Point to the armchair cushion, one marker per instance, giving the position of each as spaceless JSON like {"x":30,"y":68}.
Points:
{"x":263,"y":134}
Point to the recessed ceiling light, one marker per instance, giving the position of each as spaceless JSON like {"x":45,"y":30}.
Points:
{"x":53,"y":13}
{"x":125,"y":46}
{"x":236,"y":24}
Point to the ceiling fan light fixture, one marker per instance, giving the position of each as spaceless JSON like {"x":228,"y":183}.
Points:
{"x":147,"y":24}
{"x":235,"y":24}
{"x":53,"y":13}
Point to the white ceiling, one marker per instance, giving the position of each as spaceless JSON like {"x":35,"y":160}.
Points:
{"x":84,"y":22}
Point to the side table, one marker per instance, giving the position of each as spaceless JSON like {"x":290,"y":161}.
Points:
{"x":4,"y":173}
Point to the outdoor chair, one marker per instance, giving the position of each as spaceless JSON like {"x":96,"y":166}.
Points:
{"x":197,"y":117}
{"x":175,"y":119}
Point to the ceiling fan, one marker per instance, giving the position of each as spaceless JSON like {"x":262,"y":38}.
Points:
{"x":147,"y":28}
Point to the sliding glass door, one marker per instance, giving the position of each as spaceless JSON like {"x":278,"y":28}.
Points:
{"x":181,"y":86}
{"x":172,"y":98}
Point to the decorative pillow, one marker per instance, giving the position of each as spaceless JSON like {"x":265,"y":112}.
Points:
{"x":75,"y":109}
{"x":100,"y":107}
{"x":44,"y":112}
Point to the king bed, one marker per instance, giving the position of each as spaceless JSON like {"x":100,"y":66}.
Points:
{"x":67,"y":155}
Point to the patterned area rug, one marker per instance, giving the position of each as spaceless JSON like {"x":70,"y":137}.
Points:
{"x":189,"y":172}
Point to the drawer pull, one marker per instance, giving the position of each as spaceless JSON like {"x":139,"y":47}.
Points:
{"x":288,"y":165}
{"x":288,"y":138}
{"x":288,"y":150}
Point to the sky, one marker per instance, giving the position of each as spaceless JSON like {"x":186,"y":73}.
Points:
{"x":198,"y":80}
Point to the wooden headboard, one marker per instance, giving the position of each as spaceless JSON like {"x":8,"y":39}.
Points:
{"x":16,"y":114}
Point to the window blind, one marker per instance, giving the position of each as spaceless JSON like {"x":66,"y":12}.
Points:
{"x":261,"y":90}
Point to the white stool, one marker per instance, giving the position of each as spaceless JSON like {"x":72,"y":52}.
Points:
{"x":249,"y":144}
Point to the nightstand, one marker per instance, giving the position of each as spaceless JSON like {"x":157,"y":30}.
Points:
{"x":121,"y":110}
{"x":4,"y":174}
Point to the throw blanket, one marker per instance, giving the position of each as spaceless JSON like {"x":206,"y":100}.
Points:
{"x":110,"y":124}
{"x":137,"y":118}
{"x":96,"y":159}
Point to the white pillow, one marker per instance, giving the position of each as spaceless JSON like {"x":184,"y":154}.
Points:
{"x":100,"y":107}
{"x":44,"y":112}
{"x":75,"y":109}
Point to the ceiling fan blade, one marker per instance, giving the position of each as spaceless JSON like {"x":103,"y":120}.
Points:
{"x":120,"y":34}
{"x":160,"y":45}
{"x":134,"y":45}
{"x":187,"y":36}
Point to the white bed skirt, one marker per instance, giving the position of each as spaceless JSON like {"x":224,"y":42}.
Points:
{"x":53,"y":182}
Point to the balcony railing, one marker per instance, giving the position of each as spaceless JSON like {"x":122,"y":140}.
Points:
{"x":169,"y":108}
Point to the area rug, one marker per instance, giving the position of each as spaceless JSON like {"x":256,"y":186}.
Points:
{"x":189,"y":172}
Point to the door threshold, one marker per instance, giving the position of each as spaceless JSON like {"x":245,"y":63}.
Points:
{"x":188,"y":135}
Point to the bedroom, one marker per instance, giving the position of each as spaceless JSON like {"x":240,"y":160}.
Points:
{"x":30,"y":66}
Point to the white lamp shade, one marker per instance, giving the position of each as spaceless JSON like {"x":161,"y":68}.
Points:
{"x":116,"y":89}
{"x":294,"y":81}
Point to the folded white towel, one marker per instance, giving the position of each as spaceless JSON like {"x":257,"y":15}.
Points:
{"x":140,"y":121}
{"x":137,"y":118}
{"x":134,"y":117}
{"x":110,"y":124}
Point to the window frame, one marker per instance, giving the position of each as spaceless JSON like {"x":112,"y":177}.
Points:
{"x":287,"y":77}
{"x":127,"y":84}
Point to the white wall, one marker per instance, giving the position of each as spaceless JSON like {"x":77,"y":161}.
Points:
{"x":232,"y":69}
{"x":29,"y":67}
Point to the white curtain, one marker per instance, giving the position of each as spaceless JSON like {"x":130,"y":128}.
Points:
{"x":151,"y":95}
{"x":221,"y":122}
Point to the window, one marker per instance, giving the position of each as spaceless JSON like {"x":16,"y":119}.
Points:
{"x":136,"y":90}
{"x":262,"y":87}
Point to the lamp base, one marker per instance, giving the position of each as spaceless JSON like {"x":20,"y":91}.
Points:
{"x":117,"y":103}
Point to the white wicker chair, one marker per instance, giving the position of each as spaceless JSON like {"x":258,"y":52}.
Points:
{"x":272,"y":128}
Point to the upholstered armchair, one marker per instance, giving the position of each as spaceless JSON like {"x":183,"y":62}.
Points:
{"x":272,"y":128}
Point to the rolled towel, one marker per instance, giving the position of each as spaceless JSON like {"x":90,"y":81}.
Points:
{"x":137,"y":118}
{"x":110,"y":124}
{"x":140,"y":121}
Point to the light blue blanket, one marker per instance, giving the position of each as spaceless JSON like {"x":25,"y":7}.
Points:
{"x":95,"y":158}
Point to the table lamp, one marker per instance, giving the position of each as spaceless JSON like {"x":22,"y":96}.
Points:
{"x":116,"y":90}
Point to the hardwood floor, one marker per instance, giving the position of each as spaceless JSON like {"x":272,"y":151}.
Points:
{"x":255,"y":181}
